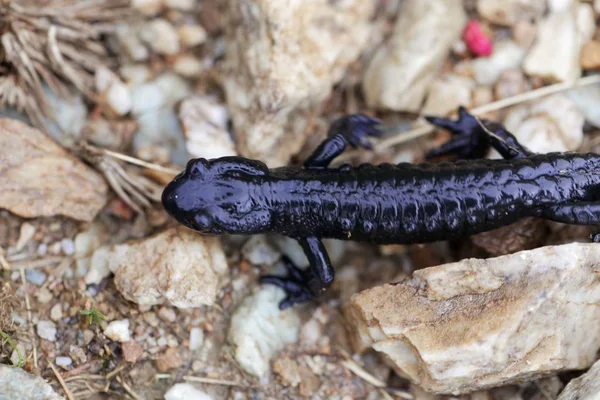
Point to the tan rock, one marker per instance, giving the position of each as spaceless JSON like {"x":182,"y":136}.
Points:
{"x":587,"y":386}
{"x":132,"y":351}
{"x":170,"y":359}
{"x":560,"y":37}
{"x":447,"y":93}
{"x":401,"y":71}
{"x":509,"y":12}
{"x":176,"y":267}
{"x":283,"y":59}
{"x":40,"y":179}
{"x":590,"y":55}
{"x":475,"y":324}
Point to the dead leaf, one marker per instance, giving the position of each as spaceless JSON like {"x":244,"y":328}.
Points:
{"x":39,"y":179}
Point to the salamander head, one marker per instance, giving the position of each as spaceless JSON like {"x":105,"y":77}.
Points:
{"x":213,"y":196}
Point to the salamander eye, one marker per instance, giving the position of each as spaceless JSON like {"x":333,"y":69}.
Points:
{"x":202,"y":221}
{"x":197,"y":167}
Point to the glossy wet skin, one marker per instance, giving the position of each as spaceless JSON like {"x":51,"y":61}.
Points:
{"x":384,"y":204}
{"x":215,"y":197}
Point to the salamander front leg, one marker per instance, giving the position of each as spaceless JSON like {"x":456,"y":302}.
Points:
{"x":471,"y":141}
{"x":349,"y":130}
{"x":304,"y":285}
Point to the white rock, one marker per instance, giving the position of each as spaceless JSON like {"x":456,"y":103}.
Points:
{"x":509,"y":12}
{"x":176,"y":267}
{"x":447,"y":93}
{"x":259,"y":329}
{"x":204,"y":124}
{"x":587,"y":99}
{"x":147,"y":7}
{"x":44,"y":296}
{"x":161,"y":36}
{"x":63,"y":361}
{"x":115,"y":92}
{"x":130,"y":41}
{"x":26,"y":233}
{"x":160,"y":129}
{"x":118,"y":330}
{"x":196,"y":338}
{"x":551,"y":124}
{"x":560,"y":5}
{"x":507,"y":55}
{"x":191,"y":35}
{"x":587,"y":386}
{"x":163,"y":92}
{"x":98,"y":268}
{"x":597,"y":6}
{"x":56,"y":312}
{"x":17,"y":356}
{"x":259,"y":251}
{"x":85,"y":243}
{"x":147,"y":97}
{"x":67,"y":246}
{"x":185,"y":391}
{"x":135,"y":74}
{"x":400,"y":73}
{"x":46,"y":330}
{"x":185,"y":5}
{"x":282,"y":66}
{"x":70,"y":114}
{"x":476,"y":324}
{"x":555,"y":54}
{"x":35,"y":276}
{"x":18,"y":384}
{"x":188,"y":66}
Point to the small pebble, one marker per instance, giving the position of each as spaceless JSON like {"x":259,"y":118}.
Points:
{"x":68,"y":246}
{"x":63,"y":361}
{"x":170,"y":359}
{"x":185,"y":391}
{"x":118,"y":330}
{"x":167,"y":314}
{"x":132,"y":351}
{"x":56,"y":312}
{"x":196,"y":338}
{"x":88,"y":336}
{"x":26,"y":234}
{"x":46,"y":330}
{"x":36,"y":277}
{"x":184,"y":5}
{"x":590,"y":55}
{"x":42,"y":249}
{"x":191,"y":35}
{"x":188,"y":66}
{"x":161,"y":36}
{"x":147,"y":7}
{"x":44,"y":296}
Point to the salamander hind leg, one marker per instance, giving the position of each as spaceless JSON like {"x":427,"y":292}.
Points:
{"x":583,"y":213}
{"x":304,"y":285}
{"x":350,"y":130}
{"x":472,"y":141}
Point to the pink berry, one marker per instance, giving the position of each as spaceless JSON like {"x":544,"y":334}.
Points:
{"x":477,"y":42}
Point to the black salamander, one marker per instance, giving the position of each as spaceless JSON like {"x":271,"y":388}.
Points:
{"x":384,"y":204}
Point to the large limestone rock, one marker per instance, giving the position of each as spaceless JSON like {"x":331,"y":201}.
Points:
{"x":475,"y":324}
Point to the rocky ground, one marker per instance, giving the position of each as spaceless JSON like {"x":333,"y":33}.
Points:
{"x":102,"y":294}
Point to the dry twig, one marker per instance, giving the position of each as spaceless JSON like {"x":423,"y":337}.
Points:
{"x":61,"y":381}
{"x":403,"y":137}
{"x":56,"y":42}
{"x":135,"y":190}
